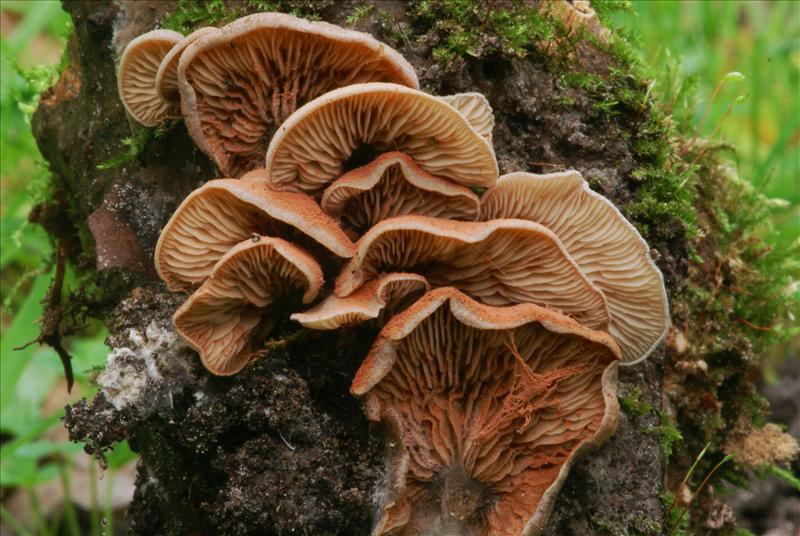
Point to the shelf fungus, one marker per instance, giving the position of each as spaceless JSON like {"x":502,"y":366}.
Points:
{"x":606,"y":247}
{"x":378,"y":299}
{"x":136,"y":79}
{"x":228,"y":317}
{"x":241,"y":81}
{"x":501,"y":262}
{"x":394,"y":185}
{"x":486,"y":410}
{"x":350,"y":126}
{"x":223,"y":212}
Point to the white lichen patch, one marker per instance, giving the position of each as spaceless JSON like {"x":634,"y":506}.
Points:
{"x":142,"y":375}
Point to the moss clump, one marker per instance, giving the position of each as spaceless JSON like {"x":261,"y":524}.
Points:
{"x":741,"y":299}
{"x":634,"y":404}
{"x":668,"y":435}
{"x":477,"y":29}
{"x":191,"y":14}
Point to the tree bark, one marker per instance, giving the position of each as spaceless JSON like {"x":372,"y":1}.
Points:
{"x":282,"y":447}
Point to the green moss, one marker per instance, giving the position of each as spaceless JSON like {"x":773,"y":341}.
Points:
{"x":478,"y":29}
{"x":677,"y":521}
{"x":668,"y":435}
{"x":634,"y":405}
{"x":784,"y":474}
{"x":191,"y":14}
{"x":137,"y":144}
{"x":359,"y":12}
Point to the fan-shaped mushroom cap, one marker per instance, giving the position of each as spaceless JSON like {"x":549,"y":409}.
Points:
{"x":225,"y":318}
{"x":476,"y":109}
{"x":394,"y":185}
{"x":223,"y":212}
{"x":239,"y":83}
{"x":489,"y":407}
{"x":167,"y":76}
{"x":136,"y":80}
{"x":386,"y":295}
{"x":501,"y":262}
{"x":602,"y":242}
{"x":311,"y":149}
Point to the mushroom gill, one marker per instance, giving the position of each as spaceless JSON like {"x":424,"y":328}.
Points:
{"x":476,"y":110}
{"x":240,"y":82}
{"x":487,"y":408}
{"x":311,"y":149}
{"x":228,"y":317}
{"x":394,"y":185}
{"x":136,"y":79}
{"x":501,"y":262}
{"x":377,"y":299}
{"x":223,"y":212}
{"x":167,"y":75}
{"x":607,"y":248}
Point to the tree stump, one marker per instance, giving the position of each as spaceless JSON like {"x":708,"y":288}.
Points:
{"x":282,"y":447}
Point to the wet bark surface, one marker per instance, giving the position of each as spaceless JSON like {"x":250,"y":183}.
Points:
{"x":282,"y":447}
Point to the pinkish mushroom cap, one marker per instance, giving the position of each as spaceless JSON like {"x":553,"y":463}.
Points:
{"x":136,"y":79}
{"x":384,"y":296}
{"x":327,"y":136}
{"x":394,"y":185}
{"x":501,"y":262}
{"x":223,"y":212}
{"x":486,"y":408}
{"x":167,"y":75}
{"x":227,"y":318}
{"x":242,"y":81}
{"x":606,"y":247}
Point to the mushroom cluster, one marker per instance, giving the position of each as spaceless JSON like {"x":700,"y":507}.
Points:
{"x":503,"y":315}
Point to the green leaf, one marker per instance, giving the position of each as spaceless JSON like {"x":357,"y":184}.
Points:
{"x":22,"y":330}
{"x":120,"y":455}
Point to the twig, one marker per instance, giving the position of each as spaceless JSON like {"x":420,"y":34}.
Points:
{"x":49,"y":333}
{"x":751,"y":325}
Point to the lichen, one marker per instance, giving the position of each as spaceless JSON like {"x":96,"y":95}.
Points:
{"x":133,"y":374}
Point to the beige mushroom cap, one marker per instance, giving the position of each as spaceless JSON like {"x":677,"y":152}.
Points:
{"x":501,"y":262}
{"x":237,"y":306}
{"x":606,"y":247}
{"x":136,"y":79}
{"x":577,"y":15}
{"x":167,"y":76}
{"x":488,"y":408}
{"x":242,"y":81}
{"x":394,"y":185}
{"x":386,"y":295}
{"x":475,"y":109}
{"x":223,"y":212}
{"x":312,"y":148}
